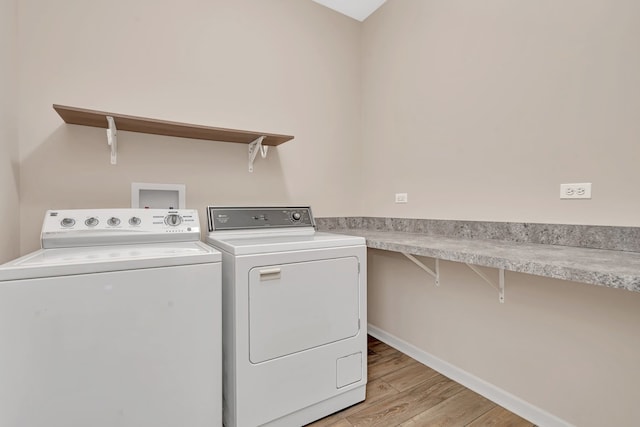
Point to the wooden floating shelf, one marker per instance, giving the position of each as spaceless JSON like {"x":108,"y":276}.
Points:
{"x":81,"y":116}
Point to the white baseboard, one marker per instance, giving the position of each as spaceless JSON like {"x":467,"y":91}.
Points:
{"x":505,"y":399}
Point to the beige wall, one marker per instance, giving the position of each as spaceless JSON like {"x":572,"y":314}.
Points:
{"x":479,"y":110}
{"x":567,"y":348}
{"x":9,"y":205}
{"x":282,"y":66}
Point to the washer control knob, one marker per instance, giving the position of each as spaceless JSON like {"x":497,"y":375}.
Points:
{"x":68,"y":222}
{"x":113,"y":221}
{"x":134,"y":220}
{"x":296,"y":216}
{"x":91,"y":222}
{"x":173,"y":220}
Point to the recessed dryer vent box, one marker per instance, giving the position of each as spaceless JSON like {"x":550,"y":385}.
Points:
{"x":157,"y":196}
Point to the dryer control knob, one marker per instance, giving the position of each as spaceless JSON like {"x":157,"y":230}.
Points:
{"x":134,"y":220}
{"x":173,"y":220}
{"x":296,"y":216}
{"x":68,"y":222}
{"x":91,"y":222}
{"x":113,"y":221}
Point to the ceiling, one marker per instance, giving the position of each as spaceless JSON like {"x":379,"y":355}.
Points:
{"x":356,"y":9}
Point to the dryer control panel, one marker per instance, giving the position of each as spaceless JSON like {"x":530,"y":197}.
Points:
{"x":247,"y":218}
{"x":96,"y":227}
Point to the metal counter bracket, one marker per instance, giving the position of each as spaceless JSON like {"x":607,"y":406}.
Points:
{"x":499,"y":287}
{"x":254,"y":147}
{"x":430,"y":272}
{"x":112,"y":139}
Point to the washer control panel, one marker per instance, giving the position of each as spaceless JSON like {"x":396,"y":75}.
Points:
{"x":232,"y":218}
{"x":94,"y":227}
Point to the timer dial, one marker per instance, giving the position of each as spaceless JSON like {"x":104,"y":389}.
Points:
{"x":173,"y":220}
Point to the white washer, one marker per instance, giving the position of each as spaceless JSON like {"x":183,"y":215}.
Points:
{"x":294,"y":316}
{"x":115,"y":322}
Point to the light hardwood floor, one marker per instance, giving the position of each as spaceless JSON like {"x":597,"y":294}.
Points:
{"x":403,"y":392}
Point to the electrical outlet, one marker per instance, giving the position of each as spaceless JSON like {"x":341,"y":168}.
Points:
{"x":575,"y":191}
{"x":402,"y":198}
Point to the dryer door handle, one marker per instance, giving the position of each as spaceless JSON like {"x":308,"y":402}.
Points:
{"x":270,"y":274}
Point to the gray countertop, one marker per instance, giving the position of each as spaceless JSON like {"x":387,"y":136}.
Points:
{"x":611,"y":268}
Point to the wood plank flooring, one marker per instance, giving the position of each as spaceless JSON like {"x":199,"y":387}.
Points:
{"x":403,"y":392}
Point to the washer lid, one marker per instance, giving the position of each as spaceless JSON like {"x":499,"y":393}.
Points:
{"x":97,"y":259}
{"x":260,"y":243}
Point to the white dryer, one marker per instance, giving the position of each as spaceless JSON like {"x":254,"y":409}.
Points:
{"x":115,"y":322}
{"x":294,"y":316}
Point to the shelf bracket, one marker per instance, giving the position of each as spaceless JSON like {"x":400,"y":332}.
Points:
{"x":499,"y":287}
{"x":430,"y":272}
{"x":254,"y":147}
{"x":112,"y":139}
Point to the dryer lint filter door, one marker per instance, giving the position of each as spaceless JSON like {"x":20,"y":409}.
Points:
{"x":298,"y":306}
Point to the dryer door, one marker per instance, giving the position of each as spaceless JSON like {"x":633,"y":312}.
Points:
{"x":298,"y":306}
